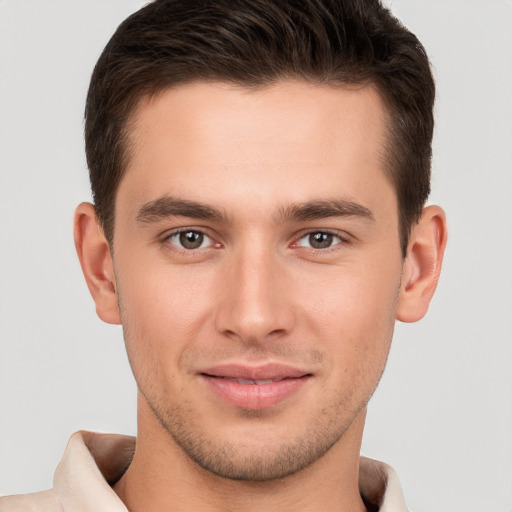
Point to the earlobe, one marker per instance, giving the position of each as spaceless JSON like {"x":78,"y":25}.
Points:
{"x":96,"y":261}
{"x":422,"y":265}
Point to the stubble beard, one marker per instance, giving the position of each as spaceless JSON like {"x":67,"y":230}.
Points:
{"x":253,"y":462}
{"x":254,"y":459}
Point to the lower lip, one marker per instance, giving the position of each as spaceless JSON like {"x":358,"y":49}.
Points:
{"x":254,"y":396}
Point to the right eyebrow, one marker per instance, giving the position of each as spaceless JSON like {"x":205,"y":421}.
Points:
{"x":323,"y":209}
{"x":170,"y":206}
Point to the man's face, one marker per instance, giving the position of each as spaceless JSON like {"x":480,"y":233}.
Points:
{"x":258,"y":267}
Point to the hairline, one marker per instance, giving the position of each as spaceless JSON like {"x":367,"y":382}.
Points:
{"x":388,"y":150}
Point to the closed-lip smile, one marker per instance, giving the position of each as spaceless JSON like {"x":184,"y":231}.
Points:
{"x":254,"y":387}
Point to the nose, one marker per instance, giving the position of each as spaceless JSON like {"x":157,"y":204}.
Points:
{"x":256,"y":302}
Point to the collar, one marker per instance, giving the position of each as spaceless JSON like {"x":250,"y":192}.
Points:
{"x":93,"y":462}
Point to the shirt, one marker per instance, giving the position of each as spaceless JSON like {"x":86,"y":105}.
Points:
{"x":93,"y":462}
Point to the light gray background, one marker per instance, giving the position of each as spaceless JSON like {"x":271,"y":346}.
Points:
{"x":443,"y":414}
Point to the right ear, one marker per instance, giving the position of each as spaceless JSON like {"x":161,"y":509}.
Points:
{"x":94,"y":254}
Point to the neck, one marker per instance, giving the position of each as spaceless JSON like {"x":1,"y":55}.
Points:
{"x":161,"y":476}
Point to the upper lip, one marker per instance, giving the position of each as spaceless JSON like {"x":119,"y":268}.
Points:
{"x":270,"y":371}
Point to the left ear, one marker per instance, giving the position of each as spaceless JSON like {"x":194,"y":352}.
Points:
{"x":96,"y":260}
{"x":422,"y":265}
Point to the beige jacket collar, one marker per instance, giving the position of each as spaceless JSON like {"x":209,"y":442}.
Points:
{"x":93,"y":462}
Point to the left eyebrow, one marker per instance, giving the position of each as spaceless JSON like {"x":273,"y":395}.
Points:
{"x":323,"y":209}
{"x":170,"y":206}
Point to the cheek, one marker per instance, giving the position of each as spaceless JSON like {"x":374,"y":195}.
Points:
{"x":161,"y":297}
{"x":162,"y":312}
{"x":355,"y":315}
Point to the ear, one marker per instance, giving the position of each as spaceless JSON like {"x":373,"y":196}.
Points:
{"x":96,"y":261}
{"x":422,"y":266}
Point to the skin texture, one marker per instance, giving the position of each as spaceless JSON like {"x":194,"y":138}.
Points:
{"x":264,"y":170}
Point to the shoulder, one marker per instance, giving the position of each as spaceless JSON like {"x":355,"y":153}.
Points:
{"x":45,"y":501}
{"x":91,"y":463}
{"x":379,"y":486}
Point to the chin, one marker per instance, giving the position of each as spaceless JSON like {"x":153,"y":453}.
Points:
{"x":257,"y":452}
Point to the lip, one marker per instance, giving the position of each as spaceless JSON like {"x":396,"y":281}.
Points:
{"x":254,"y":387}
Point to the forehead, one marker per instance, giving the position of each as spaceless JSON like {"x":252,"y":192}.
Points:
{"x":287,"y":141}
{"x":213,"y":109}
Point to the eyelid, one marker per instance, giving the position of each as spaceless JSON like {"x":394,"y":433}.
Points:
{"x":165,"y":238}
{"x":344,"y":239}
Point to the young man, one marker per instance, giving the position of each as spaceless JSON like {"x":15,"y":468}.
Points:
{"x":259,"y":170}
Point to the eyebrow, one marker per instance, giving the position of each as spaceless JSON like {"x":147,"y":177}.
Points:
{"x":323,"y":209}
{"x":170,"y":206}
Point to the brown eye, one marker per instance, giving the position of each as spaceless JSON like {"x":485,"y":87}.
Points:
{"x":320,"y":240}
{"x":190,"y":240}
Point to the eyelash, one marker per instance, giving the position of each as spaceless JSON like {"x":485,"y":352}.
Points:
{"x":343,"y":239}
{"x":167,"y":240}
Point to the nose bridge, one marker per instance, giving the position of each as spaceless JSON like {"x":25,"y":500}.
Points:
{"x":254,"y":305}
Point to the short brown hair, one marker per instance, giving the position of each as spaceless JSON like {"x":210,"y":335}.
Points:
{"x":254,"y":43}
